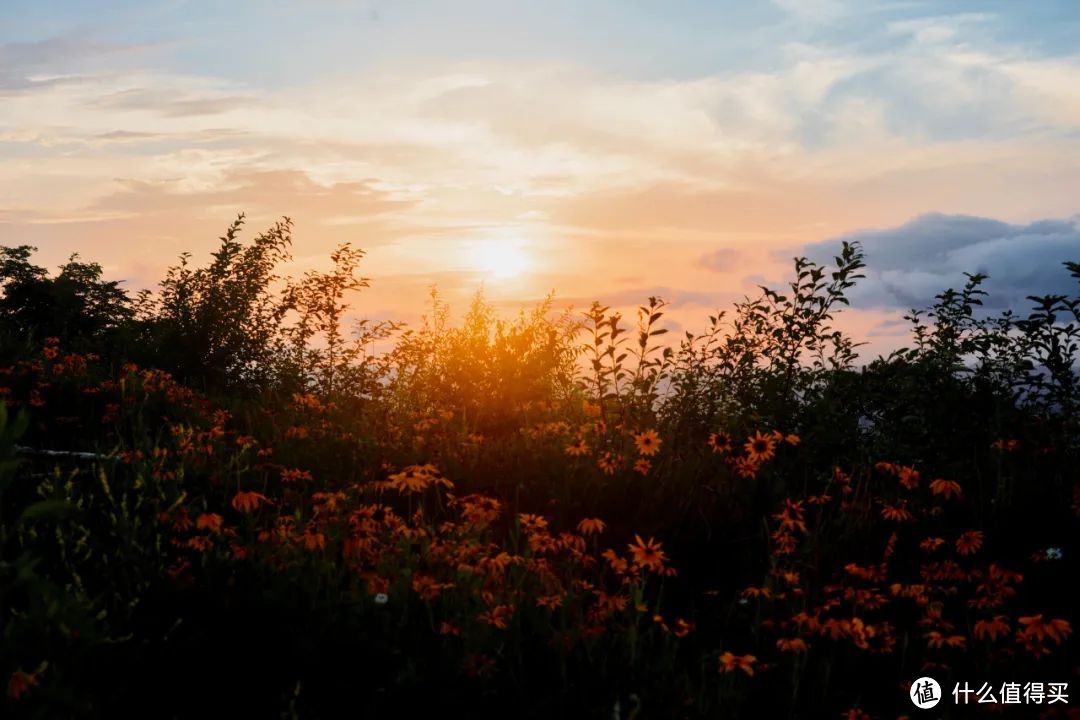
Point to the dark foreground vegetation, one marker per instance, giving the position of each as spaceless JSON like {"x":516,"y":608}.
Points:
{"x":218,"y":500}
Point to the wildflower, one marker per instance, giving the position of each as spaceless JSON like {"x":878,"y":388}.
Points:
{"x":608,"y":463}
{"x":969,"y":542}
{"x":1053,"y":553}
{"x":991,"y":628}
{"x":948,"y":488}
{"x":647,"y":554}
{"x":931,"y":544}
{"x":417,"y":478}
{"x":648,"y":443}
{"x":792,"y":439}
{"x":533,"y":523}
{"x":760,"y":448}
{"x":909,"y":477}
{"x":577,"y":448}
{"x":682,"y":628}
{"x":248,"y":501}
{"x":1037,"y":628}
{"x":642,"y":466}
{"x":19,"y":683}
{"x":295,"y":474}
{"x":936,"y":639}
{"x":313,"y":540}
{"x":182,"y":521}
{"x":731,"y":663}
{"x":746,"y":467}
{"x":792,"y":645}
{"x":427,"y":587}
{"x":209,"y":521}
{"x":497,"y":616}
{"x":720,"y":442}
{"x":591,"y":526}
{"x":618,"y":564}
{"x":381,"y":598}
{"x":896,"y":514}
{"x":549,"y":602}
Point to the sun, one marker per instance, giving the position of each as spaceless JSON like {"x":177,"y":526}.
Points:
{"x":503,"y":260}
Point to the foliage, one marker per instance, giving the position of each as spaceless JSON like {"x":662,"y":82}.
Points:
{"x":219,"y":499}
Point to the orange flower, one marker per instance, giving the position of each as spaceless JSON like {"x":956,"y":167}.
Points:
{"x":20,"y":683}
{"x":577,"y":448}
{"x":896,"y":514}
{"x":549,"y":602}
{"x":1037,"y":628}
{"x":608,"y":463}
{"x":909,"y":477}
{"x":948,"y":488}
{"x":647,"y":555}
{"x":969,"y":542}
{"x":683,"y":628}
{"x":592,"y":410}
{"x":295,"y":474}
{"x":720,"y":442}
{"x":931,"y":544}
{"x":591,"y":526}
{"x":209,"y":521}
{"x":497,"y":616}
{"x":731,"y":663}
{"x":648,"y":442}
{"x":248,"y":501}
{"x":417,"y":478}
{"x":936,"y":639}
{"x":642,"y":466}
{"x":992,"y":628}
{"x":792,"y":439}
{"x":745,"y":467}
{"x":760,"y":448}
{"x":792,"y":645}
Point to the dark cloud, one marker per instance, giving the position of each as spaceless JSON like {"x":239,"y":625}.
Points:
{"x":910,"y":264}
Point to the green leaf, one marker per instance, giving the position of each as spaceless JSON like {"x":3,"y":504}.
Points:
{"x":47,"y":510}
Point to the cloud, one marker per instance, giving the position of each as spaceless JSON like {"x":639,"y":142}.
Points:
{"x":722,"y":260}
{"x":910,"y":264}
{"x":21,"y":62}
{"x":167,"y":104}
{"x":677,"y":298}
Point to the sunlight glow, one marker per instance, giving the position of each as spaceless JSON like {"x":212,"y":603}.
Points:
{"x":502,"y":259}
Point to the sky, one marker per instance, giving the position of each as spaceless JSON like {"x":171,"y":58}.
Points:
{"x":610,"y":149}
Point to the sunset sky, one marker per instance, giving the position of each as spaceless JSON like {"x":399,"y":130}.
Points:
{"x":609,"y":149}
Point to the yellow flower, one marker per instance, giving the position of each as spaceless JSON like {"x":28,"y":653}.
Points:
{"x":578,"y":447}
{"x":591,"y":526}
{"x":760,"y":448}
{"x":648,"y":442}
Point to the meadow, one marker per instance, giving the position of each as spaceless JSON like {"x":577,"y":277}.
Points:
{"x":224,"y":499}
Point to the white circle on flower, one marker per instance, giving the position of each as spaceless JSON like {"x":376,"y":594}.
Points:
{"x":925,"y":693}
